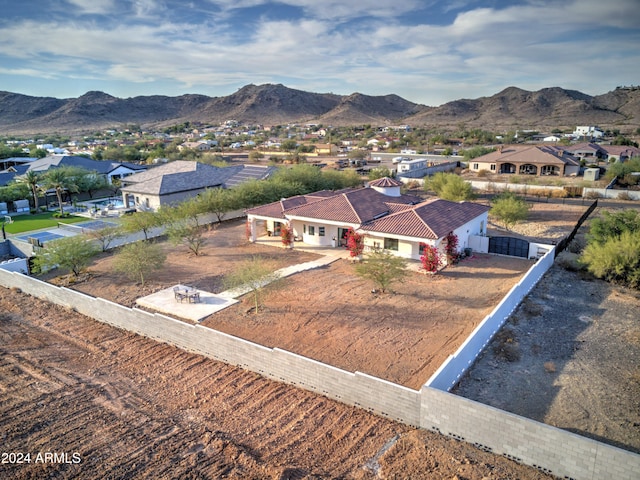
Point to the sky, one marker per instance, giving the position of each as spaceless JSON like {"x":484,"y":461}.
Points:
{"x":426,"y":51}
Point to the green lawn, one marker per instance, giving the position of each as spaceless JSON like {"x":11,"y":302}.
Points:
{"x":27,"y":223}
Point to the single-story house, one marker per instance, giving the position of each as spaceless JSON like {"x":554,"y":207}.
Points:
{"x":609,"y":153}
{"x":588,"y":151}
{"x":326,"y":149}
{"x":620,"y":153}
{"x":109,"y":169}
{"x":528,"y":160}
{"x":388,"y":219}
{"x":174,"y":182}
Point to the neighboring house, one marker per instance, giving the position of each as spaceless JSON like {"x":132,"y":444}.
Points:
{"x":551,"y":138}
{"x":177,"y":181}
{"x":326,"y":149}
{"x":106,"y":168}
{"x":609,"y":153}
{"x":588,"y":131}
{"x":588,"y":151}
{"x":389,"y":220}
{"x":6,"y":163}
{"x":619,"y":153}
{"x":198,"y":146}
{"x":528,"y":160}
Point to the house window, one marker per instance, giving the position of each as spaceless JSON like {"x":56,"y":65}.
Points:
{"x":321,"y":231}
{"x":421,"y":248}
{"x":475,"y":166}
{"x":493,"y":167}
{"x":304,"y":228}
{"x":312,"y":230}
{"x":391,"y":244}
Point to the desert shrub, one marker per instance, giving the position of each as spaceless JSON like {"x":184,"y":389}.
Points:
{"x":616,"y":260}
{"x":532,"y":308}
{"x":592,"y":194}
{"x":559,"y":194}
{"x":483,"y":173}
{"x":624,"y":196}
{"x":506,"y":346}
{"x":509,"y":209}
{"x":549,"y":367}
{"x":569,"y":261}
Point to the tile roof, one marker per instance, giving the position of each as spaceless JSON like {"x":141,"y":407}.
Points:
{"x":178,"y":176}
{"x":533,"y":154}
{"x":385,"y":182}
{"x":99,"y":166}
{"x":432,"y":219}
{"x":355,"y":206}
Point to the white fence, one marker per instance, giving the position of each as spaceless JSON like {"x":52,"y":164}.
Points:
{"x":454,"y":367}
{"x":611,"y":193}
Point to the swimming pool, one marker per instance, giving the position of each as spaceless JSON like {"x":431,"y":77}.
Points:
{"x":115,"y":202}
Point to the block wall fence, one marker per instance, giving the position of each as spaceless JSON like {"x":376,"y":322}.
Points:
{"x":550,"y":449}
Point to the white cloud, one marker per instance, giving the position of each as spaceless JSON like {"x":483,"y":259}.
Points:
{"x":94,"y":6}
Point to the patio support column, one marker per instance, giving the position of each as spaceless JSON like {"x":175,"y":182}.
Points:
{"x":252,"y":228}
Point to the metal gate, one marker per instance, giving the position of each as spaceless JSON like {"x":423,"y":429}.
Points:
{"x":515,"y":247}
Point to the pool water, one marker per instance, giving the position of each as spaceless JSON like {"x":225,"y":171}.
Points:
{"x":114,"y":202}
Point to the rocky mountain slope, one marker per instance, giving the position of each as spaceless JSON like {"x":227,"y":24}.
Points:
{"x":276,"y":104}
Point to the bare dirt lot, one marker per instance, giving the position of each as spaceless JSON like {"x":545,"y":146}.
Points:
{"x":568,"y":357}
{"x":329,"y":314}
{"x":124,"y":406}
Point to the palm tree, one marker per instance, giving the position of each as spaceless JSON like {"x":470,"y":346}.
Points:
{"x":61,"y":179}
{"x":32,"y":178}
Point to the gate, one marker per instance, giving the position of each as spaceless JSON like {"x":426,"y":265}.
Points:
{"x":514,"y":247}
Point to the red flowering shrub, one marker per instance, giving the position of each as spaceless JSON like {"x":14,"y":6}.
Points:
{"x":451,"y":248}
{"x":355,"y":243}
{"x":286,"y":234}
{"x":430,"y":258}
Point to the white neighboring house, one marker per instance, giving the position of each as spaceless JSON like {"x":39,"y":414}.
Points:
{"x":389,"y":220}
{"x":588,"y":131}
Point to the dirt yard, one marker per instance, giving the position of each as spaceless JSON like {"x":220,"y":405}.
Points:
{"x":329,"y":314}
{"x":568,"y":357}
{"x":111,"y":404}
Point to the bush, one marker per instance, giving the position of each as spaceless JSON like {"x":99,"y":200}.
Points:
{"x":592,"y":194}
{"x":559,"y":193}
{"x":509,"y":209}
{"x":505,"y":345}
{"x":616,"y":260}
{"x":624,"y":196}
{"x":483,"y":173}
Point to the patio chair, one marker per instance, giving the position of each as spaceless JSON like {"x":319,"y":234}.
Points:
{"x":194,"y":297}
{"x":179,"y":295}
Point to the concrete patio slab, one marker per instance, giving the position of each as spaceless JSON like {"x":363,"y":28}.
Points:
{"x":164,"y":301}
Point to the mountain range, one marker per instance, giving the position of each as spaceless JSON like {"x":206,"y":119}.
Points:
{"x":271,"y":104}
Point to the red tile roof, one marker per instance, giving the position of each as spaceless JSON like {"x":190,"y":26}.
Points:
{"x":432,"y":219}
{"x":385,"y":182}
{"x":356,"y":207}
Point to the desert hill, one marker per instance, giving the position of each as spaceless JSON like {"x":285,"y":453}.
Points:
{"x":271,"y":104}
